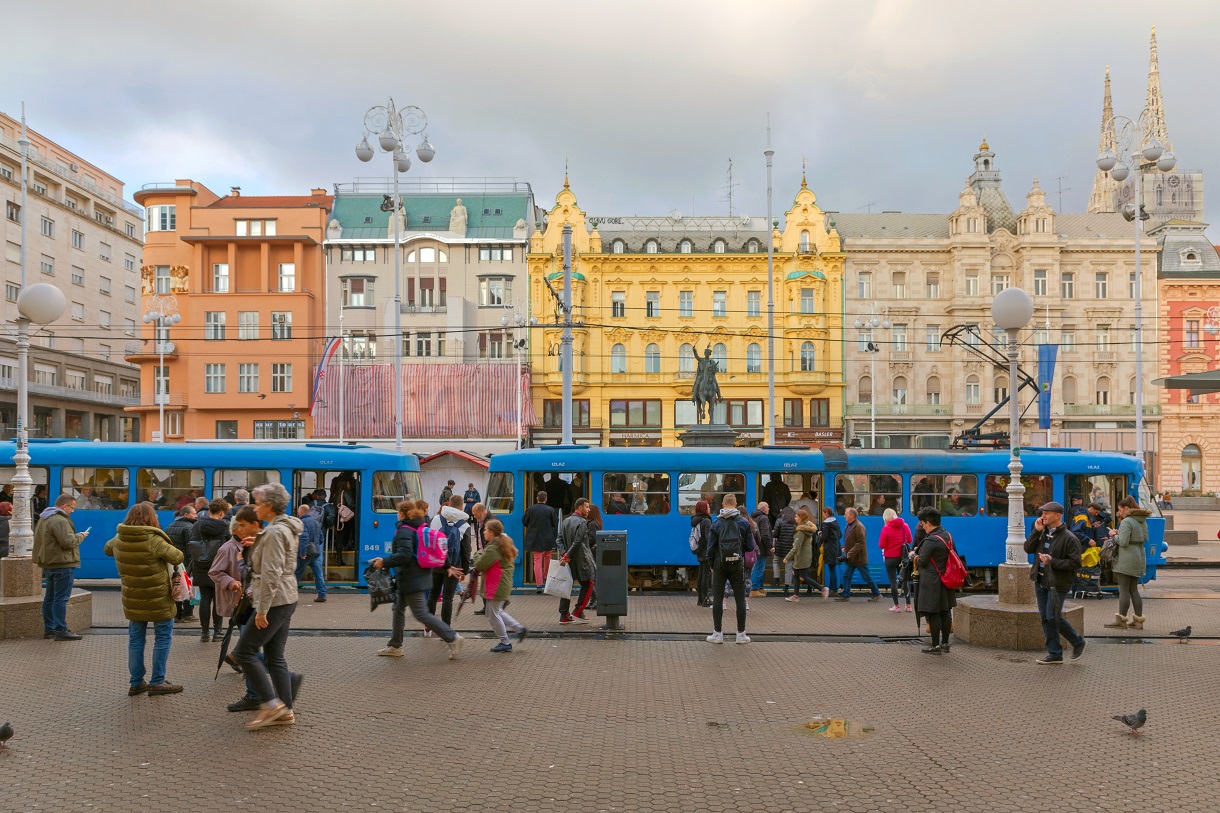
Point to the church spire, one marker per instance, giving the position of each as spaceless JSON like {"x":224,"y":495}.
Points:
{"x":1104,"y":187}
{"x":1154,"y":114}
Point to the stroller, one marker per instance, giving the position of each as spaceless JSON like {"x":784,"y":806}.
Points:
{"x":1088,"y":577}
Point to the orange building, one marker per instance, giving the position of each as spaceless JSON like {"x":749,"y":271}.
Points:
{"x":246,"y":276}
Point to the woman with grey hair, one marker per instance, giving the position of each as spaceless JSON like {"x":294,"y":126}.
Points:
{"x":271,"y":559}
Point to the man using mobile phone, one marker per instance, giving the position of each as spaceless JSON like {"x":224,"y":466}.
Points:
{"x":57,"y":552}
{"x":1056,"y":559}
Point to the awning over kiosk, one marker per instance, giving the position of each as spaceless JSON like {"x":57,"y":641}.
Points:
{"x":1197,"y":383}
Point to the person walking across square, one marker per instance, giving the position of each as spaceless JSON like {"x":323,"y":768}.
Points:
{"x":855,"y":547}
{"x":1056,"y":559}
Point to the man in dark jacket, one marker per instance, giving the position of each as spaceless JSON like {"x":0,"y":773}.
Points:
{"x":730,"y":533}
{"x":1056,"y":559}
{"x":783,"y":536}
{"x":762,"y":519}
{"x":57,"y":552}
{"x":179,"y":532}
{"x":855,"y":547}
{"x":309,"y":551}
{"x":541,"y":525}
{"x":207,"y":535}
{"x":574,"y":536}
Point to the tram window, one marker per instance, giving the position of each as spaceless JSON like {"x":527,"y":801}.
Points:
{"x":696,"y":486}
{"x":1039,"y":490}
{"x":392,"y":487}
{"x":954,"y":495}
{"x":869,"y":494}
{"x":37,"y":473}
{"x":500,"y":492}
{"x":97,"y":489}
{"x":226,"y":481}
{"x":1096,"y":488}
{"x":562,"y":489}
{"x":169,"y":489}
{"x":635,"y":493}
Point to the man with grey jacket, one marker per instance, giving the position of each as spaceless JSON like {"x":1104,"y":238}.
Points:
{"x":574,"y":537}
{"x":57,"y":552}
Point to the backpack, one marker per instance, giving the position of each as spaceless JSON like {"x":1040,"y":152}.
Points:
{"x":955,"y":570}
{"x":1109,"y":552}
{"x":330,"y":515}
{"x":730,"y":545}
{"x":453,"y":541}
{"x":695,"y":538}
{"x":431,"y":547}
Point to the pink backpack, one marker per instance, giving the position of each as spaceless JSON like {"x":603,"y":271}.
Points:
{"x":431,"y":547}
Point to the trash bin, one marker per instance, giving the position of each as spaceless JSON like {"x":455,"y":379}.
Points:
{"x":611,"y":576}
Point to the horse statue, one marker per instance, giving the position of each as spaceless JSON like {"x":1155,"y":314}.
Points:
{"x":705,"y":393}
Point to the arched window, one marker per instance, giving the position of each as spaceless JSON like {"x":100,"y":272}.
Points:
{"x":1069,"y":390}
{"x":686,"y":358}
{"x":974,"y":396}
{"x":685,"y":247}
{"x":753,"y":359}
{"x":652,"y":359}
{"x":864,"y":390}
{"x":752,"y":247}
{"x":441,"y":255}
{"x":808,"y":357}
{"x":804,"y":241}
{"x":618,"y":359}
{"x":410,"y":257}
{"x":933,"y":390}
{"x":900,"y":390}
{"x":618,"y":247}
{"x":652,"y":247}
{"x":1001,"y":388}
{"x":719,"y":246}
{"x":1131,"y":390}
{"x":1103,"y":391}
{"x":720,"y":355}
{"x":1192,"y":468}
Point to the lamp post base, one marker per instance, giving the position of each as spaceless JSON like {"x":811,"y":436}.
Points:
{"x":1009,"y":620}
{"x":21,"y":601}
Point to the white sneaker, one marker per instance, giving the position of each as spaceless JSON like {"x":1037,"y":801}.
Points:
{"x":747,"y":605}
{"x":390,"y":651}
{"x":825,"y":592}
{"x":724,"y":605}
{"x":455,"y":646}
{"x":742,"y":638}
{"x":716,"y":638}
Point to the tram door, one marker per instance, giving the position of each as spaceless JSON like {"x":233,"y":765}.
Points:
{"x":562,"y":490}
{"x":325,"y":487}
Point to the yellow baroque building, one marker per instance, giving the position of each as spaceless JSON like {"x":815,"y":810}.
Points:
{"x":650,"y":292}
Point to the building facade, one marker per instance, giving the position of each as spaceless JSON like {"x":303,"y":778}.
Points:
{"x":1189,"y":342}
{"x":245,"y":274}
{"x":84,"y":238}
{"x":462,"y":294}
{"x":926,"y":275}
{"x":648,"y":293}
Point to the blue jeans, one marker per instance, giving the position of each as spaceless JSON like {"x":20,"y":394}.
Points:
{"x":1050,"y":610}
{"x":832,"y":576}
{"x":312,"y":563}
{"x":756,"y":575}
{"x":848,"y":570}
{"x":137,"y":631}
{"x":55,"y":599}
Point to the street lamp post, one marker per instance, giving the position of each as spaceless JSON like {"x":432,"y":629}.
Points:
{"x":1012,"y":309}
{"x":391,"y":126}
{"x":162,"y":313}
{"x":517,"y":320}
{"x":769,"y":153}
{"x":1151,"y":157}
{"x":38,"y":304}
{"x":873,"y":320}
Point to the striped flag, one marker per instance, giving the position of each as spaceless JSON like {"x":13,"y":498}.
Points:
{"x":323,"y":363}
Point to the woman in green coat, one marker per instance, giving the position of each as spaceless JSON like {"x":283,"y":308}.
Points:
{"x":802,"y":556}
{"x":144,"y":555}
{"x":1130,"y":564}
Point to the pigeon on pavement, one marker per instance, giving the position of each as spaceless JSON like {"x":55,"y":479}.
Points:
{"x":6,"y":733}
{"x":1182,"y":634}
{"x":1133,"y":721}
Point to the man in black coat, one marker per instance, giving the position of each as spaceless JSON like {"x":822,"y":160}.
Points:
{"x":730,"y":531}
{"x":762,"y":519}
{"x":1056,"y":559}
{"x":541,"y":527}
{"x":179,"y":532}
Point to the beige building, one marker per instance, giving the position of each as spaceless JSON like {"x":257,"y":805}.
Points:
{"x":84,"y":238}
{"x":926,"y":274}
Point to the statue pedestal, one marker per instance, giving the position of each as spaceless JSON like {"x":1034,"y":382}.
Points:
{"x":21,"y":601}
{"x":712,"y":434}
{"x":1009,"y":620}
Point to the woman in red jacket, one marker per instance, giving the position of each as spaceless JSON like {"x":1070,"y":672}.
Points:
{"x":894,"y":537}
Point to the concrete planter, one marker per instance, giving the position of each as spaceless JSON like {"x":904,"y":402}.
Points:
{"x":1183,"y":503}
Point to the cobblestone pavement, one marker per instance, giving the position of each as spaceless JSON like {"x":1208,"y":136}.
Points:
{"x":571,"y":724}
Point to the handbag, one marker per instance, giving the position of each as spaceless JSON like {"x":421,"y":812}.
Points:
{"x":242,"y":612}
{"x":180,"y":585}
{"x":382,"y":587}
{"x":558,"y":580}
{"x":1109,"y":552}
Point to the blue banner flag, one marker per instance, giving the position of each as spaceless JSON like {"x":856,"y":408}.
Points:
{"x":1046,"y":376}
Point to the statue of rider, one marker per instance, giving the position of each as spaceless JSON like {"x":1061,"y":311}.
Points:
{"x":705,"y":393}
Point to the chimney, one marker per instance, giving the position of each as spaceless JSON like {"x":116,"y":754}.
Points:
{"x":317,"y":191}
{"x":235,"y":191}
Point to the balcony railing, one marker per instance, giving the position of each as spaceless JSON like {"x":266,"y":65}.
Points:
{"x":416,"y":309}
{"x":71,"y":393}
{"x":72,"y":177}
{"x":149,"y":347}
{"x":926,"y":410}
{"x":149,"y":399}
{"x":1102,"y":410}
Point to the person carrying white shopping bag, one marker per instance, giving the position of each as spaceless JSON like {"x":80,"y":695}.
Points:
{"x":576,"y":555}
{"x":558,"y":580}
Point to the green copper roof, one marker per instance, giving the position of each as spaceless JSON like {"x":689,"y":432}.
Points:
{"x":576,"y":275}
{"x":798,"y":274}
{"x":361,"y":216}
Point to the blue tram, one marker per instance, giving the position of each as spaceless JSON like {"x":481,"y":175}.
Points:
{"x":651,"y":493}
{"x":107,"y":478}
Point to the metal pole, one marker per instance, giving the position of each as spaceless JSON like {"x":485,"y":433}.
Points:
{"x":24,"y":143}
{"x":1014,"y":546}
{"x":1139,"y":313}
{"x":566,"y":352}
{"x":397,"y":300}
{"x":21,"y":540}
{"x":872,"y":400}
{"x":161,"y":396}
{"x":342,"y":369}
{"x":770,"y":301}
{"x":517,"y":347}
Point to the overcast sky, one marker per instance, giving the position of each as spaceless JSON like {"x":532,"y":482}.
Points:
{"x":647,"y":99}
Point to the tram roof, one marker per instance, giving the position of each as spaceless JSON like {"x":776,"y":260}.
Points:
{"x":222,"y":455}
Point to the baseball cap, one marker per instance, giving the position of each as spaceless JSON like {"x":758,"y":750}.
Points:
{"x":1052,"y":506}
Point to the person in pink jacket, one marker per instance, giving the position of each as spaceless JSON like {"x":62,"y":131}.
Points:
{"x":895,"y":535}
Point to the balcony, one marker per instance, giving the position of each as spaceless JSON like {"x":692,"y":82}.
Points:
{"x":1108,"y":356}
{"x":418,"y":309}
{"x":805,"y":383}
{"x":68,"y":175}
{"x":1107,"y":410}
{"x":898,"y":410}
{"x":150,"y":400}
{"x":71,"y":393}
{"x":148,"y":349}
{"x":553,"y":379}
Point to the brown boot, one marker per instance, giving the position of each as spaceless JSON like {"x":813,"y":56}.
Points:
{"x":1120,"y":622}
{"x":1137,"y":621}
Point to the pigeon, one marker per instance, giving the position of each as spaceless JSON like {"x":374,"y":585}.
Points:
{"x":1182,"y":634}
{"x":6,"y":733}
{"x":1132,"y":721}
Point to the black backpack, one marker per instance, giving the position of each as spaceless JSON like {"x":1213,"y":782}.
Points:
{"x":729,"y":540}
